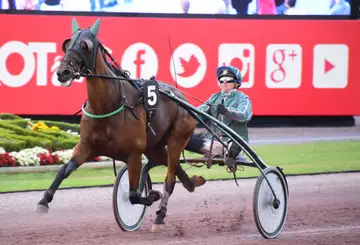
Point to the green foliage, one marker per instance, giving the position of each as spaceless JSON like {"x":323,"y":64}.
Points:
{"x":63,"y":143}
{"x":12,"y":145}
{"x":30,"y":141}
{"x":63,"y":125}
{"x":23,"y":131}
{"x":56,"y":133}
{"x":18,"y":122}
{"x":6,"y":116}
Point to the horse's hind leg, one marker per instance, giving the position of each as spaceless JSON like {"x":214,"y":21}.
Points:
{"x":159,"y":156}
{"x":80,"y":155}
{"x":177,"y":141}
{"x":189,"y":183}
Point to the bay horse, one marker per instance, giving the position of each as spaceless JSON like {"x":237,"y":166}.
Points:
{"x":115,"y":122}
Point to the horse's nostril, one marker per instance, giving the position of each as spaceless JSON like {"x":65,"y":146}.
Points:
{"x":65,"y":72}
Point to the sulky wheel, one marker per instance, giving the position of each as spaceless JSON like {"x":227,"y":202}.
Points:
{"x":129,"y":217}
{"x":270,"y":214}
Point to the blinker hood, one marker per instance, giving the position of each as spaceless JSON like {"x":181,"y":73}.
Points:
{"x":79,"y":35}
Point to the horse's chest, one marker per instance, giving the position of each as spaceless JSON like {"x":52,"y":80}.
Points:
{"x":102,"y":137}
{"x":107,"y":137}
{"x":116,"y":137}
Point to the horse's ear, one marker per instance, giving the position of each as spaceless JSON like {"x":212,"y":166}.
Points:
{"x":95,"y":28}
{"x":86,"y":45}
{"x":65,"y":44}
{"x":74,"y":26}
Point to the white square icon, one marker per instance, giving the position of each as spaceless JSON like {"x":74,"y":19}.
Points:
{"x":241,"y":56}
{"x":283,"y":66}
{"x":330,"y":66}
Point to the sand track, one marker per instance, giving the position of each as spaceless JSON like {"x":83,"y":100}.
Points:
{"x":323,"y":209}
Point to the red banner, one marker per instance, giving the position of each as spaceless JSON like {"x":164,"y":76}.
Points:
{"x":290,"y":67}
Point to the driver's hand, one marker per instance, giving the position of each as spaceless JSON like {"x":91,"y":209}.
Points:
{"x":221,"y":109}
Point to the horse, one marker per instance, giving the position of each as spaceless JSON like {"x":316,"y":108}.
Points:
{"x":116,"y":124}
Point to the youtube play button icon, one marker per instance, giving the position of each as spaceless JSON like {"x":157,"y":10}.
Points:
{"x":330,"y":67}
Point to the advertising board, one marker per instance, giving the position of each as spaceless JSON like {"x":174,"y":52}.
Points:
{"x":289,"y":67}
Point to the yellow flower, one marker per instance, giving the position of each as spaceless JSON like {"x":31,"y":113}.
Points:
{"x":39,"y":125}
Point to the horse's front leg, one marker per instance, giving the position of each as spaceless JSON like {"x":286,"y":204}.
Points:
{"x":134,"y":170}
{"x":80,"y":155}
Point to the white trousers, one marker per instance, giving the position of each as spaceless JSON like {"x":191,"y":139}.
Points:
{"x":218,"y":149}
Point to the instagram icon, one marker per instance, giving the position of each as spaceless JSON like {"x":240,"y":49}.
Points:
{"x":242,"y":56}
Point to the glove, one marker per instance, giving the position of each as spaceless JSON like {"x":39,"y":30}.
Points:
{"x":221,"y":109}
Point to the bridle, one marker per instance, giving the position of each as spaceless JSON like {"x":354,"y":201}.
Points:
{"x":88,"y":65}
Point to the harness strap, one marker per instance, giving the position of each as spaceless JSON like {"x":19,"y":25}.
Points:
{"x":103,"y":115}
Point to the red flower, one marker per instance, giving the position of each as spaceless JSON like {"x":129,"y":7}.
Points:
{"x":48,"y":159}
{"x":56,"y":159}
{"x":7,"y":160}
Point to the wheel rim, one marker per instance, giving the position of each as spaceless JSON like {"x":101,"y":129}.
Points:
{"x":129,"y":214}
{"x":270,"y":218}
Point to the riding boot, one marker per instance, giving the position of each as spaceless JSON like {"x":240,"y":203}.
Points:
{"x":196,"y":144}
{"x":230,"y":157}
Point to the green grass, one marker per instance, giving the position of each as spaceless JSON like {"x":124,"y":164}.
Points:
{"x":294,"y":159}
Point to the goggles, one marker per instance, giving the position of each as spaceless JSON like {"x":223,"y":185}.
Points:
{"x":227,"y":80}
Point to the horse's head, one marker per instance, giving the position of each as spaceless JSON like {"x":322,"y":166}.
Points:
{"x":80,"y":53}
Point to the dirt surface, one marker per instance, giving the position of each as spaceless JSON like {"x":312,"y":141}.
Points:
{"x":323,"y":209}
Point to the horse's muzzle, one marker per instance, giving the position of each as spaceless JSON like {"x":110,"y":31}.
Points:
{"x":64,"y":75}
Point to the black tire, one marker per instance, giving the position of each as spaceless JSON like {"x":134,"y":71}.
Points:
{"x":122,"y":194}
{"x":263,"y":202}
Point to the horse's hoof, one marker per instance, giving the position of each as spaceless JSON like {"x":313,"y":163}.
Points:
{"x":198,"y":180}
{"x":41,"y":209}
{"x":157,"y":227}
{"x":156,"y":195}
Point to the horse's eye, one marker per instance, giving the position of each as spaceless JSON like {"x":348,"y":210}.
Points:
{"x":72,"y":63}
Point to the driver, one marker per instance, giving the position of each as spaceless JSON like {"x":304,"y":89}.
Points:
{"x":231,"y":107}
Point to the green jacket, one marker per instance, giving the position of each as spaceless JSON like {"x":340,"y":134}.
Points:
{"x":237,"y":117}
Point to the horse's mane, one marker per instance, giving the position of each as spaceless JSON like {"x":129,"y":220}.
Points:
{"x":117,"y":70}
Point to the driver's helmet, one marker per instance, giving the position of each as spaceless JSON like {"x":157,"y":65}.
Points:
{"x":229,"y":71}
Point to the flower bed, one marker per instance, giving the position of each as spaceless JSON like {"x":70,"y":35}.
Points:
{"x":17,"y":133}
{"x":24,"y":142}
{"x":37,"y":156}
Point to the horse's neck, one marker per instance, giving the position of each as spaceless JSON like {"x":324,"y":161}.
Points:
{"x":104,"y":95}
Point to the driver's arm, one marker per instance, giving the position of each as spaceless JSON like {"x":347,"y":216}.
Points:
{"x":204,"y":108}
{"x":242,"y":112}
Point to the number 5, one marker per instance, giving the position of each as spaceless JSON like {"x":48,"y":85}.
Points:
{"x":152,"y":99}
